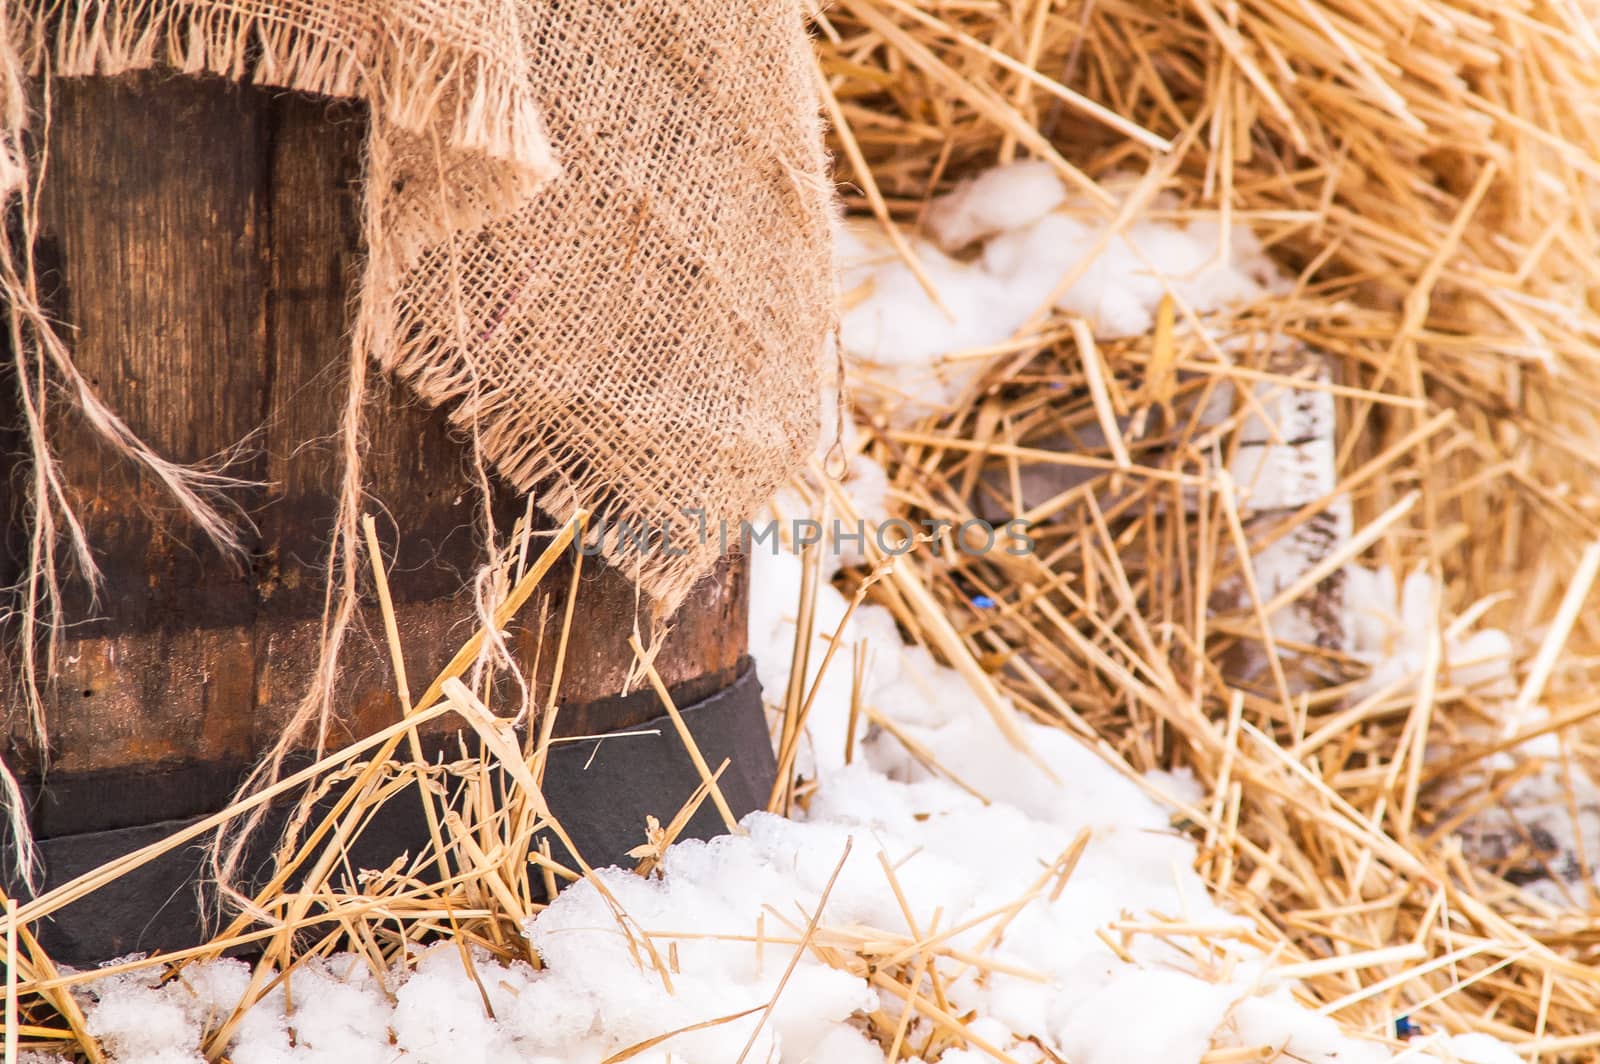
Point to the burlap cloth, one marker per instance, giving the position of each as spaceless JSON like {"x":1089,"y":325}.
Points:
{"x":598,"y":230}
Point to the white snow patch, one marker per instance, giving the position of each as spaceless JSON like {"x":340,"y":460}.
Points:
{"x":1032,"y":237}
{"x":1395,"y":627}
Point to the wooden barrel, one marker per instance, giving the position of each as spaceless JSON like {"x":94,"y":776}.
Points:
{"x":200,"y":240}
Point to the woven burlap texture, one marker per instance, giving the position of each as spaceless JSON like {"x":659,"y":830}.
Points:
{"x":628,"y":321}
{"x":642,"y":338}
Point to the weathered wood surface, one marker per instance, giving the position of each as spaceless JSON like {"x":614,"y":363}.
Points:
{"x":201,"y":240}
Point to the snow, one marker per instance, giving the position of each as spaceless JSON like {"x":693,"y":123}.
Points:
{"x":976,"y":845}
{"x":1394,"y":625}
{"x":1004,"y":198}
{"x":1479,"y":1049}
{"x":955,"y":857}
{"x":1029,"y":236}
{"x":1548,"y":820}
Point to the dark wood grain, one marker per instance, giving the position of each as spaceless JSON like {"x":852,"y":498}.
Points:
{"x":153,"y":259}
{"x":202,"y":241}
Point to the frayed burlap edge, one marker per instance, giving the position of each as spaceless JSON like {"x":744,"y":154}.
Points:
{"x":474,"y":93}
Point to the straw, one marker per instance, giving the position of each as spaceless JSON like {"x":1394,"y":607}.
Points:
{"x":1425,"y":172}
